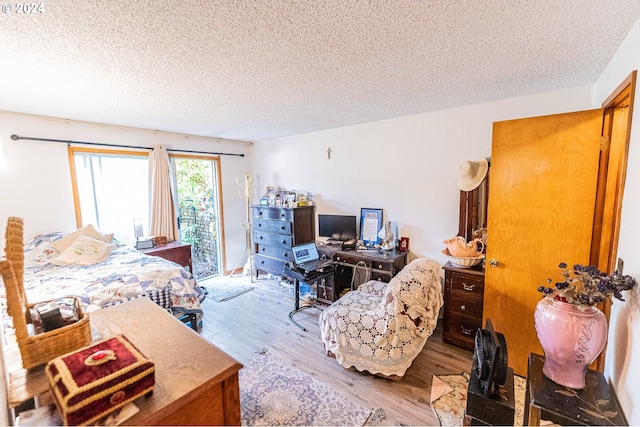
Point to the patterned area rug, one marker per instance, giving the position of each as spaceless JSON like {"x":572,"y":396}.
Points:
{"x":225,"y":290}
{"x":449,"y":398}
{"x":273,"y":393}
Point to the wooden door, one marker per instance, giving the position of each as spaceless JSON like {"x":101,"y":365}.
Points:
{"x":541,"y":210}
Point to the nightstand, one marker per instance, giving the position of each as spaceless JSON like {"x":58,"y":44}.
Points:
{"x":177,"y":252}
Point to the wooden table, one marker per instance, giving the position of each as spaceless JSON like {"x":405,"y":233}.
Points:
{"x":596,"y":404}
{"x":196,"y":382}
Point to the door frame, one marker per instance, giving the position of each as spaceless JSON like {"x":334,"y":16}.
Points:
{"x":611,"y":181}
{"x":218,"y":178}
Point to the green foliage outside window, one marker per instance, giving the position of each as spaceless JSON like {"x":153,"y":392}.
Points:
{"x":197,"y":213}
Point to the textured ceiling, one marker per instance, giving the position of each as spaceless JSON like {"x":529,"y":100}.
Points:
{"x":253,"y":70}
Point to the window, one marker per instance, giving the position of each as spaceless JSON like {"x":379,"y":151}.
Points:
{"x":111,"y":189}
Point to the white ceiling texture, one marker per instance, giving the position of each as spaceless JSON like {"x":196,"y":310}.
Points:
{"x":259,"y":69}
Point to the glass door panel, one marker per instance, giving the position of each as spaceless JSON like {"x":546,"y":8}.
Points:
{"x":198,"y":207}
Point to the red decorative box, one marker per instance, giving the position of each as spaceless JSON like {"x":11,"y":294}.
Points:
{"x":92,"y":382}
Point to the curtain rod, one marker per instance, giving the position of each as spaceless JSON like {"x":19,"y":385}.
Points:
{"x":17,"y":138}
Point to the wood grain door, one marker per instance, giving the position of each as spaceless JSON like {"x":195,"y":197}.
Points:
{"x":542,"y":196}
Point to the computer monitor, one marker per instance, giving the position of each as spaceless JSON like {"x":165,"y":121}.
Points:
{"x":337,"y":227}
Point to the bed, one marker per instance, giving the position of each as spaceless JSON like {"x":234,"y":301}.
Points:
{"x":101,"y":272}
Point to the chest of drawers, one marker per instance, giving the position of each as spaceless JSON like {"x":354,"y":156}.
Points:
{"x":275,"y":230}
{"x":463,"y":302}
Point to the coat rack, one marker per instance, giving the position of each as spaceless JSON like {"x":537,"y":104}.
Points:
{"x":248,"y":250}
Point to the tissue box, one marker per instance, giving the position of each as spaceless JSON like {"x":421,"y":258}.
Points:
{"x":92,"y":382}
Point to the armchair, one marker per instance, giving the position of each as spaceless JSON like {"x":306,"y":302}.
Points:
{"x":381,"y":327}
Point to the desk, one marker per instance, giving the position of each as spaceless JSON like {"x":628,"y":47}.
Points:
{"x":382,"y":265}
{"x":196,"y":383}
{"x":596,"y":404}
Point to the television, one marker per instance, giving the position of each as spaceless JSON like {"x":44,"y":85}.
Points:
{"x":337,"y":227}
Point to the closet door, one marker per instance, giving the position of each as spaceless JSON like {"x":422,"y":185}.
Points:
{"x":542,"y":196}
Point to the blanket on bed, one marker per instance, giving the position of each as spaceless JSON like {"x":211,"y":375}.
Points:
{"x":124,"y":274}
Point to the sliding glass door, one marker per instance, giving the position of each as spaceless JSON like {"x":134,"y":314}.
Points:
{"x":111,"y":191}
{"x":197,"y":189}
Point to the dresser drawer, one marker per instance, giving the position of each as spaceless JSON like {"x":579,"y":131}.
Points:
{"x":278,"y":252}
{"x":465,"y":306}
{"x":271,"y":239}
{"x":271,"y":226}
{"x":383,"y":276}
{"x":464,"y":326}
{"x":466,"y":284}
{"x":273,"y":213}
{"x":382,"y":265}
{"x":351,"y":260}
{"x":270,"y":265}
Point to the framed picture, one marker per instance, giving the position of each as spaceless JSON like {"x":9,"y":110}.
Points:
{"x":370,"y":225}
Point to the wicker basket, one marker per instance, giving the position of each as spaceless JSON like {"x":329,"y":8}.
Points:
{"x":40,"y":348}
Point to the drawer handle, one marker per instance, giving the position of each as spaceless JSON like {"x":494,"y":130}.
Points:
{"x":468,"y":287}
{"x":262,"y":262}
{"x":465,"y":331}
{"x":282,"y":214}
{"x":284,"y":254}
{"x":284,"y":242}
{"x":260,"y":237}
{"x":282,"y":227}
{"x":380,"y":266}
{"x":463,"y":307}
{"x":338,"y":258}
{"x":263,"y":249}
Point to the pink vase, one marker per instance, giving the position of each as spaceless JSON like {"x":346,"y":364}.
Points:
{"x":571,"y":339}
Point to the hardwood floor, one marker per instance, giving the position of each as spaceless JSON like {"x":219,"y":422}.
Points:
{"x":259,"y":319}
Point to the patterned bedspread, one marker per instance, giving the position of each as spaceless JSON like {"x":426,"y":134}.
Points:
{"x":126,"y":273}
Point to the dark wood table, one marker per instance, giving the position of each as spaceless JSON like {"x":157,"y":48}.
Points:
{"x":596,"y":404}
{"x":177,"y":252}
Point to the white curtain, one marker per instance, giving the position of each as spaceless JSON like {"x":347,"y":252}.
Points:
{"x":162,"y":210}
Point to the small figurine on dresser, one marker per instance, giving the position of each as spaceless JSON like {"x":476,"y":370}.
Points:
{"x":388,"y":239}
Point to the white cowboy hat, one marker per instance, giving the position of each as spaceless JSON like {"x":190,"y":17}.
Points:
{"x":471,"y":174}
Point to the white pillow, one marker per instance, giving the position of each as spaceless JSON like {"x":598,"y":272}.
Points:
{"x":85,"y":250}
{"x":87,"y":230}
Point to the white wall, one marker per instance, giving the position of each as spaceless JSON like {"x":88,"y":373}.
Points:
{"x":407,"y":166}
{"x":623,"y":350}
{"x":37,"y":184}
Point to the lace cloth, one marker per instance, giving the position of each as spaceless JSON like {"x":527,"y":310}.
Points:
{"x":381,"y":327}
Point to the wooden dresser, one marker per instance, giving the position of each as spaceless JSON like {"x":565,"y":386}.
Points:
{"x":463,"y":302}
{"x":177,"y":252}
{"x":196,"y":382}
{"x":275,"y":230}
